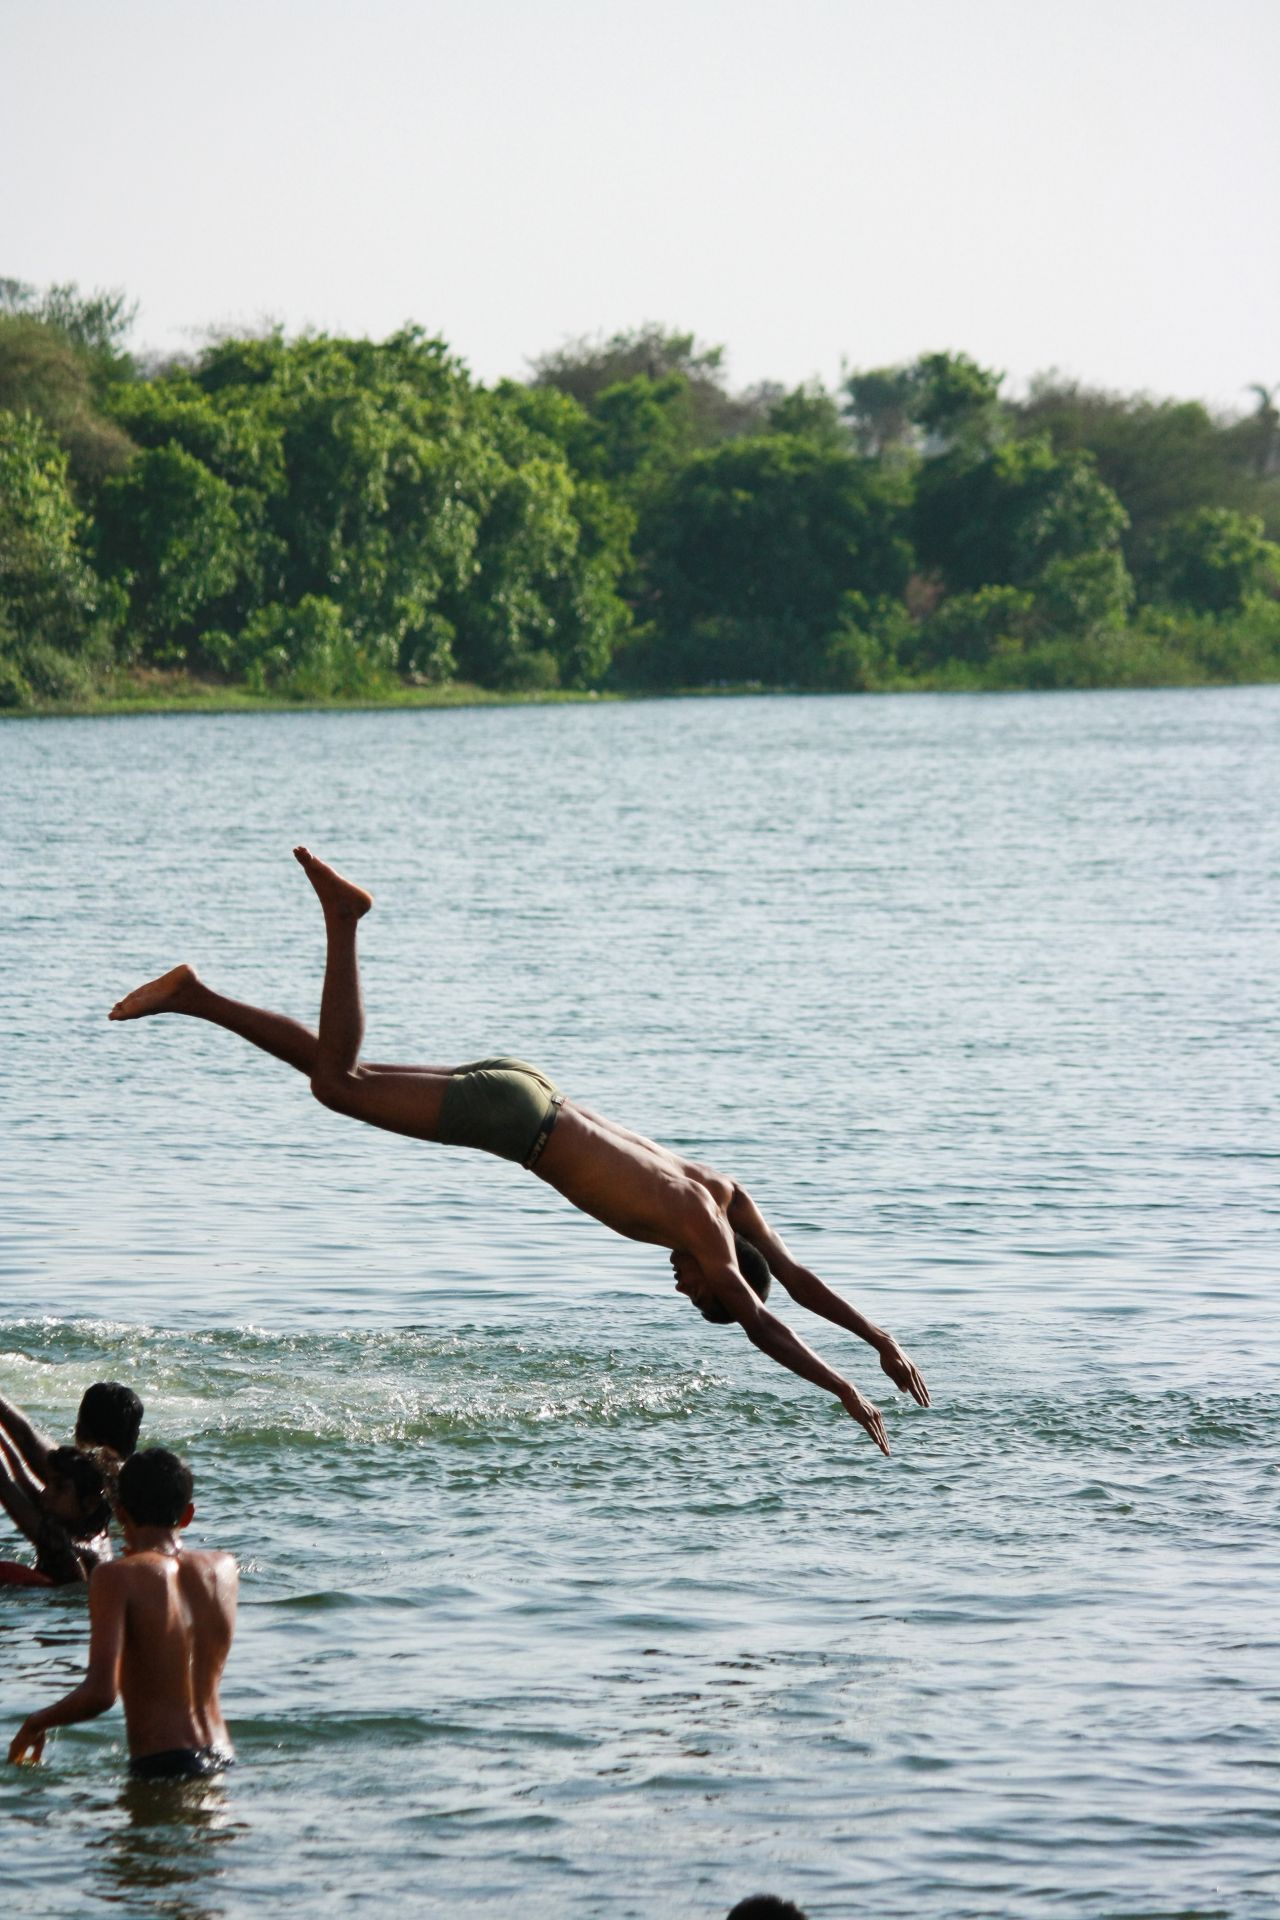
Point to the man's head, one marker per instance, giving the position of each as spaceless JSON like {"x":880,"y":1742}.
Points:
{"x":155,"y":1490}
{"x":752,"y":1265}
{"x":75,"y":1492}
{"x":109,"y":1416}
{"x":765,"y":1906}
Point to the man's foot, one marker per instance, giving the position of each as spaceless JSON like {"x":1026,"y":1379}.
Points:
{"x":336,"y":895}
{"x":171,"y":993}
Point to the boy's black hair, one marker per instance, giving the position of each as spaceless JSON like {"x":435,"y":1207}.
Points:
{"x":754,"y":1269}
{"x":89,"y":1484}
{"x":110,"y":1415}
{"x":155,"y":1488}
{"x":766,"y":1906}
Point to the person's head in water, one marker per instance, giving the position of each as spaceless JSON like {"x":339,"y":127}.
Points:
{"x":766,"y":1906}
{"x":110,"y":1415}
{"x":752,"y":1265}
{"x":155,"y":1490}
{"x":75,"y":1492}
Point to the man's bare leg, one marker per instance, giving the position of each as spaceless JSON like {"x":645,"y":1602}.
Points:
{"x":399,"y":1100}
{"x":181,"y":991}
{"x":402,"y":1099}
{"x":341,"y":1004}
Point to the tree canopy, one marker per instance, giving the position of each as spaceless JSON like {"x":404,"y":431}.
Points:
{"x":320,"y":516}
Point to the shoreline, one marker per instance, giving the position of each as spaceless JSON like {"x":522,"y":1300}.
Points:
{"x":153,"y":693}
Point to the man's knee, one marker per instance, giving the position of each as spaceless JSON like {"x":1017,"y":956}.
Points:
{"x":333,"y":1089}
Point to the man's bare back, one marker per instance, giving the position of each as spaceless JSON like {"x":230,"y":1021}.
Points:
{"x":630,"y":1184}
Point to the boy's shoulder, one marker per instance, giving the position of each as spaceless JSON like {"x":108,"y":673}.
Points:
{"x":147,"y":1580}
{"x":214,"y":1562}
{"x":142,"y":1561}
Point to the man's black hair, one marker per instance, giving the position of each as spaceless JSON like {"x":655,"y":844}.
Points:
{"x":110,"y":1415}
{"x":155,"y":1488}
{"x":89,"y":1484}
{"x":754,"y":1269}
{"x":766,"y":1906}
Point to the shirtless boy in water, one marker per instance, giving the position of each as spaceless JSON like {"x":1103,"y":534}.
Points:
{"x":160,"y":1627}
{"x":63,"y":1511}
{"x":710,"y":1224}
{"x":107,"y":1424}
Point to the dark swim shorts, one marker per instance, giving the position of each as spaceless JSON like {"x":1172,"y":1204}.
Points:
{"x":500,"y":1106}
{"x":181,"y":1763}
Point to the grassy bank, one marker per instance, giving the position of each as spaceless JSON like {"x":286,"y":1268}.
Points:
{"x":154,"y":690}
{"x":1153,"y":652}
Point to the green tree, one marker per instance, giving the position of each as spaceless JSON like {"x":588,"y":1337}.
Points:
{"x":806,"y":412}
{"x":956,"y":402}
{"x":237,"y":438}
{"x":1081,"y":594}
{"x":169,"y":535}
{"x":870,"y":642}
{"x":1163,"y":459}
{"x":95,"y":324}
{"x":306,"y":651}
{"x":760,"y":540}
{"x":570,"y":574}
{"x":587,"y":368}
{"x":644,"y":430}
{"x":45,"y":374}
{"x":975,"y":627}
{"x":54,"y":615}
{"x":1214,"y":559}
{"x":1001,"y":519}
{"x":880,"y":409}
{"x":354,"y":469}
{"x":936,"y":404}
{"x":1260,"y":434}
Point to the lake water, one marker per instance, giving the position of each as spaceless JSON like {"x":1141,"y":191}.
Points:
{"x":558,"y":1601}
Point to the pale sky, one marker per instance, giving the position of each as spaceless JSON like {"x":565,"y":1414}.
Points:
{"x":1090,"y":186}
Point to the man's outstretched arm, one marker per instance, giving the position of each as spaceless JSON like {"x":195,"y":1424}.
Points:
{"x":33,"y":1446}
{"x":19,"y":1493}
{"x":808,"y":1291}
{"x":774,"y":1336}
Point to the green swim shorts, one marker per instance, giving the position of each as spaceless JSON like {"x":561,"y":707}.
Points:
{"x":500,"y":1106}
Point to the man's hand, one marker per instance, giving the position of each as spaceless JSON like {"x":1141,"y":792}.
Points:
{"x":865,"y":1414}
{"x":27,"y":1746}
{"x":902,"y":1373}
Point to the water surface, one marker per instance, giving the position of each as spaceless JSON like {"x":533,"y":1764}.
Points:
{"x":556,"y":1600}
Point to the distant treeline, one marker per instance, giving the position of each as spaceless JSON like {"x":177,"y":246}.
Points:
{"x":321,"y":518}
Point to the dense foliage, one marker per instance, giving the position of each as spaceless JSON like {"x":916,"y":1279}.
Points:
{"x":327,"y":518}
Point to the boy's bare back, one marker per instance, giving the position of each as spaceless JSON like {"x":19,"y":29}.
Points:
{"x":177,"y":1617}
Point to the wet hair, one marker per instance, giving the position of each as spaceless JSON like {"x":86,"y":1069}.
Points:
{"x":110,"y":1415}
{"x":754,"y":1269}
{"x":155,"y":1488}
{"x":766,"y":1906}
{"x":89,"y":1484}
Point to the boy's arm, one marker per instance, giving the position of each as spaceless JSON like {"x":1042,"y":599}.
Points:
{"x":34,"y":1447}
{"x":808,"y":1291}
{"x":100,"y":1687}
{"x":19,"y":1494}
